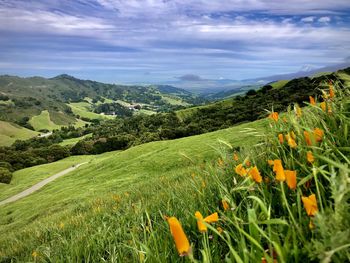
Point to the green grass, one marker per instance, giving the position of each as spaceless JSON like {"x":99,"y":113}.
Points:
{"x":74,"y":140}
{"x":114,"y":208}
{"x":83,"y":109}
{"x":43,"y":121}
{"x":279,"y":84}
{"x":117,"y":172}
{"x":9,"y":133}
{"x":174,"y":100}
{"x":25,"y":178}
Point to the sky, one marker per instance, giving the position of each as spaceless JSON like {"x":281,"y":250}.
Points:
{"x":153,"y":41}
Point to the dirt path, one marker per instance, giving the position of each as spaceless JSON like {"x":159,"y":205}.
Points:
{"x":39,"y":185}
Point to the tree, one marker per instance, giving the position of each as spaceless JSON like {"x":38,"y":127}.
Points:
{"x":5,"y":175}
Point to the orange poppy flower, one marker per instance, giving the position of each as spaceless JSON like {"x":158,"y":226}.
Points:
{"x":291,"y":141}
{"x":235,"y":156}
{"x":318,"y":133}
{"x":291,"y":178}
{"x":255,"y":174}
{"x":225,"y":205}
{"x":200,"y":222}
{"x":212,"y":218}
{"x":280,"y":138}
{"x":310,"y":157}
{"x":241,"y":170}
{"x":310,"y":204}
{"x":312,"y":100}
{"x":247,"y":163}
{"x":278,"y":169}
{"x":181,"y":241}
{"x":307,"y":138}
{"x":274,"y":116}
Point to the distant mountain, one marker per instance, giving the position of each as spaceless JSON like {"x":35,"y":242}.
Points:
{"x":23,"y":98}
{"x":209,"y":87}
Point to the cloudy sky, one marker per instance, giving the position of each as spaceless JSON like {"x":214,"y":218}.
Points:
{"x":157,"y":40}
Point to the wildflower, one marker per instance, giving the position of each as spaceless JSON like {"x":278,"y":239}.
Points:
{"x":200,"y":223}
{"x":274,"y":116}
{"x":310,"y":204}
{"x":35,"y":254}
{"x":291,"y":141}
{"x":219,"y":229}
{"x":225,"y":205}
{"x":312,"y":100}
{"x":241,"y":170}
{"x":220,"y":162}
{"x":323,"y":106}
{"x":291,"y":178}
{"x":307,"y":138}
{"x":331,"y":90}
{"x":235,"y":157}
{"x":212,"y":218}
{"x":247,"y":163}
{"x":318,"y":133}
{"x":324,"y":95}
{"x":310,"y":157}
{"x":292,"y":134}
{"x":270,"y":162}
{"x":181,"y":242}
{"x":298,"y":111}
{"x":280,"y":138}
{"x":255,"y":174}
{"x":311,"y":224}
{"x":278,"y":169}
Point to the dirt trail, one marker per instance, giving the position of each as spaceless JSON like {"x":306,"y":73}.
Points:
{"x":39,"y":185}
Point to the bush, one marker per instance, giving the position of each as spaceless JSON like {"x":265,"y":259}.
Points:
{"x":5,"y":175}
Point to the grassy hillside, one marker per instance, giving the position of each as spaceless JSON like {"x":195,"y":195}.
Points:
{"x":110,"y":173}
{"x":283,"y":197}
{"x":83,"y":109}
{"x":10,"y":132}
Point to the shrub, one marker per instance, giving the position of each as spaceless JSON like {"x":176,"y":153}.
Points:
{"x":5,"y":175}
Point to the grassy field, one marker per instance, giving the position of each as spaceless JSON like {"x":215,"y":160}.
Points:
{"x":73,"y":140}
{"x":279,"y":84}
{"x":11,"y":132}
{"x":174,"y":101}
{"x":83,"y":109}
{"x":43,"y":121}
{"x":111,"y":173}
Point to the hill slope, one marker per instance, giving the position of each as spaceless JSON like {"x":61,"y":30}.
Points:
{"x":10,"y":132}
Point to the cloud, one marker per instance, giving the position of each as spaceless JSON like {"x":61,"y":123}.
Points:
{"x":190,"y":77}
{"x":308,"y":19}
{"x":324,"y":19}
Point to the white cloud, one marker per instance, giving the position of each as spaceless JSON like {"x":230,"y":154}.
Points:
{"x":308,"y":19}
{"x":324,"y":19}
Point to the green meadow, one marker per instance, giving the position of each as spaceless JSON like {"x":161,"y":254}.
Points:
{"x":9,"y":133}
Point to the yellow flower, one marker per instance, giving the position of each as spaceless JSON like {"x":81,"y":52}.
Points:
{"x":278,"y":169}
{"x":270,"y":162}
{"x":181,"y":242}
{"x":212,"y":218}
{"x":307,"y":138}
{"x":219,"y":229}
{"x":312,"y":100}
{"x":35,"y":254}
{"x":235,"y":156}
{"x":310,"y":157}
{"x":280,"y":138}
{"x":255,"y":174}
{"x":331,"y":90}
{"x":220,"y":162}
{"x":200,"y":223}
{"x":291,"y":178}
{"x":324,"y":107}
{"x":274,"y":116}
{"x":291,"y":141}
{"x":318,"y":133}
{"x":240,"y":170}
{"x":225,"y":205}
{"x":298,"y":111}
{"x":310,"y":204}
